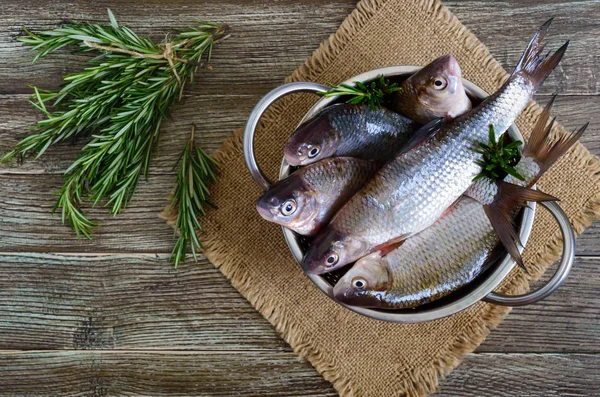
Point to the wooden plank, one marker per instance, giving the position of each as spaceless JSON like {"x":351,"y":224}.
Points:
{"x":506,"y":26}
{"x":567,"y":321}
{"x":26,"y":222}
{"x":56,"y":301}
{"x":159,"y":373}
{"x":271,"y":41}
{"x":531,"y":375}
{"x":273,"y":374}
{"x":268,"y":43}
{"x":216,"y":116}
{"x":131,"y":302}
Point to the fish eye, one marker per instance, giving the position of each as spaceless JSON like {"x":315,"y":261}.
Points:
{"x":332,"y":259}
{"x":289,"y":207}
{"x":439,"y":83}
{"x":359,"y":283}
{"x":314,"y":152}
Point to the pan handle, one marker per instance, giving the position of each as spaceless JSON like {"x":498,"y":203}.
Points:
{"x":561,"y":274}
{"x":257,"y":113}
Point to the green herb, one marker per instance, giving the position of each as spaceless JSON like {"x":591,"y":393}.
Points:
{"x":372,"y":94}
{"x":498,"y":158}
{"x":121,"y":99}
{"x":197,"y":170}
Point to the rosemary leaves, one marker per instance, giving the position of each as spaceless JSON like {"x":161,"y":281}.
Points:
{"x":197,"y":170}
{"x":372,"y":94}
{"x":120,"y":99}
{"x":498,"y":158}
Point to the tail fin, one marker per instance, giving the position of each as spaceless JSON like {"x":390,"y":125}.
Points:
{"x":535,"y":66}
{"x":500,"y":210}
{"x":541,"y":149}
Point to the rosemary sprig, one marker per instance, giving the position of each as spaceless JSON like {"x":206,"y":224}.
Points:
{"x":197,"y":170}
{"x":498,"y":158}
{"x":372,"y":94}
{"x":121,"y":98}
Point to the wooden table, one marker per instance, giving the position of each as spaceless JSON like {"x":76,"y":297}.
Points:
{"x":111,"y":316}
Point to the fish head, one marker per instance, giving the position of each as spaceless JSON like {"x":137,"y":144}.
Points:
{"x":312,"y":141}
{"x":439,"y":86}
{"x":365,"y":284}
{"x":290,"y":203}
{"x":331,"y":250}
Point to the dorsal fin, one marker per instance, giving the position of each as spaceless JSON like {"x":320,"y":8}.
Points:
{"x":423,"y":134}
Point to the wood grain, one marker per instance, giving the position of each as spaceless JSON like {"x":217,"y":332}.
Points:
{"x":97,"y":373}
{"x":531,"y":375}
{"x":131,"y":302}
{"x":225,"y":373}
{"x":27,"y":224}
{"x":220,"y":116}
{"x":147,"y":329}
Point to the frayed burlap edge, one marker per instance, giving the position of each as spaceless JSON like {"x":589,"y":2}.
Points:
{"x":424,"y":380}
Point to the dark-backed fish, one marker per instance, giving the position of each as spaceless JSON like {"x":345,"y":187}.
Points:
{"x":434,"y":91}
{"x":306,"y":200}
{"x":349,"y":130}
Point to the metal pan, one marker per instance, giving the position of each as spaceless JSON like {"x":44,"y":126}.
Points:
{"x":482,"y":288}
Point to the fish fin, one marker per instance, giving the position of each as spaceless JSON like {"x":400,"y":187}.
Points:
{"x":541,"y":149}
{"x":535,"y":66}
{"x":423,"y":134}
{"x":500,"y":211}
{"x":389,"y":246}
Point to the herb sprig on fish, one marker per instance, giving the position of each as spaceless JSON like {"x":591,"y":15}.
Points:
{"x":372,"y":94}
{"x":498,"y":158}
{"x":121,"y":99}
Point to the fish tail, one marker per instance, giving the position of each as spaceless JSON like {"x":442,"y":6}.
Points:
{"x":541,"y":149}
{"x":533,"y":64}
{"x":500,"y":212}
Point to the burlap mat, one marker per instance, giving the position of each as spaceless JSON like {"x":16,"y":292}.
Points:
{"x":364,"y":357}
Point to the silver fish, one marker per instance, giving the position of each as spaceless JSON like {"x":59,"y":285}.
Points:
{"x":349,"y":130}
{"x":456,"y":248}
{"x":306,"y":200}
{"x":434,"y":91}
{"x":413,"y":190}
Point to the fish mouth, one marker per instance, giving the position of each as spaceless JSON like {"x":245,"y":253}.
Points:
{"x":314,"y":259}
{"x":452,"y":84}
{"x":372,"y":299}
{"x":264,"y":212}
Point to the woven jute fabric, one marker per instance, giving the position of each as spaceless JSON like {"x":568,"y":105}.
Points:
{"x":361,"y":356}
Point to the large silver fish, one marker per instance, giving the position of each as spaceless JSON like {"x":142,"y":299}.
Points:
{"x":434,"y":91}
{"x":413,"y":190}
{"x":307,"y":199}
{"x":349,"y":130}
{"x":456,"y":248}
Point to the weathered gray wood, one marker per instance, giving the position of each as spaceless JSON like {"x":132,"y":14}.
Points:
{"x":505,"y":26}
{"x":137,"y":301}
{"x":216,"y":117}
{"x":531,"y":375}
{"x":58,"y":301}
{"x":205,"y":373}
{"x":269,"y":41}
{"x":26,"y":222}
{"x":294,"y":29}
{"x":129,"y":300}
{"x":278,"y":374}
